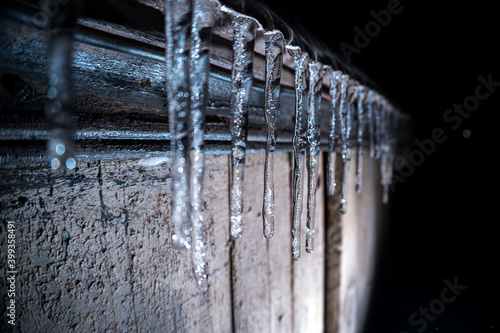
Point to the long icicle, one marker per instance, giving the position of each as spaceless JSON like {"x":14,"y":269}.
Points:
{"x":359,"y":139}
{"x":344,"y":115}
{"x":333,"y":135}
{"x":301,"y":61}
{"x":313,"y":147}
{"x":393,"y":142}
{"x":244,"y":29}
{"x":386,"y":152}
{"x":383,"y":147}
{"x":371,"y":122}
{"x":351,"y":98}
{"x":378,"y":125}
{"x":203,"y":19}
{"x":177,"y":29}
{"x":274,"y":44}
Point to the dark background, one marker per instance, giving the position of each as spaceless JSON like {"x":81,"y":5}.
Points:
{"x":444,"y":216}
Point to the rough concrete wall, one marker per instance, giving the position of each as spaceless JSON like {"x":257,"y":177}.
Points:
{"x":94,"y":254}
{"x":94,"y":251}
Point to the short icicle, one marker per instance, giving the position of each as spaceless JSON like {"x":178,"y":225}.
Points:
{"x":301,"y":61}
{"x":244,"y":29}
{"x":333,"y":135}
{"x":178,"y":15}
{"x":387,"y":157}
{"x":359,"y":139}
{"x":274,"y":44}
{"x":371,"y":122}
{"x":313,"y":147}
{"x":379,"y":105}
{"x":203,"y":19}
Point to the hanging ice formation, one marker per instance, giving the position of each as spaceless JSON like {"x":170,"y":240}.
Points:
{"x":353,"y":106}
{"x":387,"y":154}
{"x":379,"y":106}
{"x":359,"y":139}
{"x":274,"y":44}
{"x":313,"y":146}
{"x":188,"y":26}
{"x":244,"y":29}
{"x":203,"y":19}
{"x":301,"y":62}
{"x":333,"y":137}
{"x":370,"y":119}
{"x":178,"y":28}
{"x":344,"y":134}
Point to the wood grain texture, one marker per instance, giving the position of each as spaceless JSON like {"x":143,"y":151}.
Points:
{"x":262,"y":280}
{"x":333,"y":252}
{"x":360,"y":232}
{"x":309,"y":272}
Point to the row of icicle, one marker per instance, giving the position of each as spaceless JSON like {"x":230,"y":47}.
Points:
{"x":187,"y":57}
{"x":188,"y":25}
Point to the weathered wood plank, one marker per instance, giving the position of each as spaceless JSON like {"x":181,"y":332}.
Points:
{"x":279,"y":249}
{"x":216,"y":202}
{"x":309,"y":272}
{"x":360,"y":228}
{"x":262,"y":268}
{"x":333,"y":252}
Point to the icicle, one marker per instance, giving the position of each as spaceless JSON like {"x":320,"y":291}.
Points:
{"x":335,"y":77}
{"x":393,"y":133}
{"x":359,"y":141}
{"x":203,"y":19}
{"x":244,"y":29}
{"x":59,"y":111}
{"x":274,"y":42}
{"x":344,"y":133}
{"x":352,"y":96}
{"x":387,"y":151}
{"x":384,"y":147}
{"x":177,"y":29}
{"x":371,"y":122}
{"x":301,"y":61}
{"x":313,"y":148}
{"x":378,"y":125}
